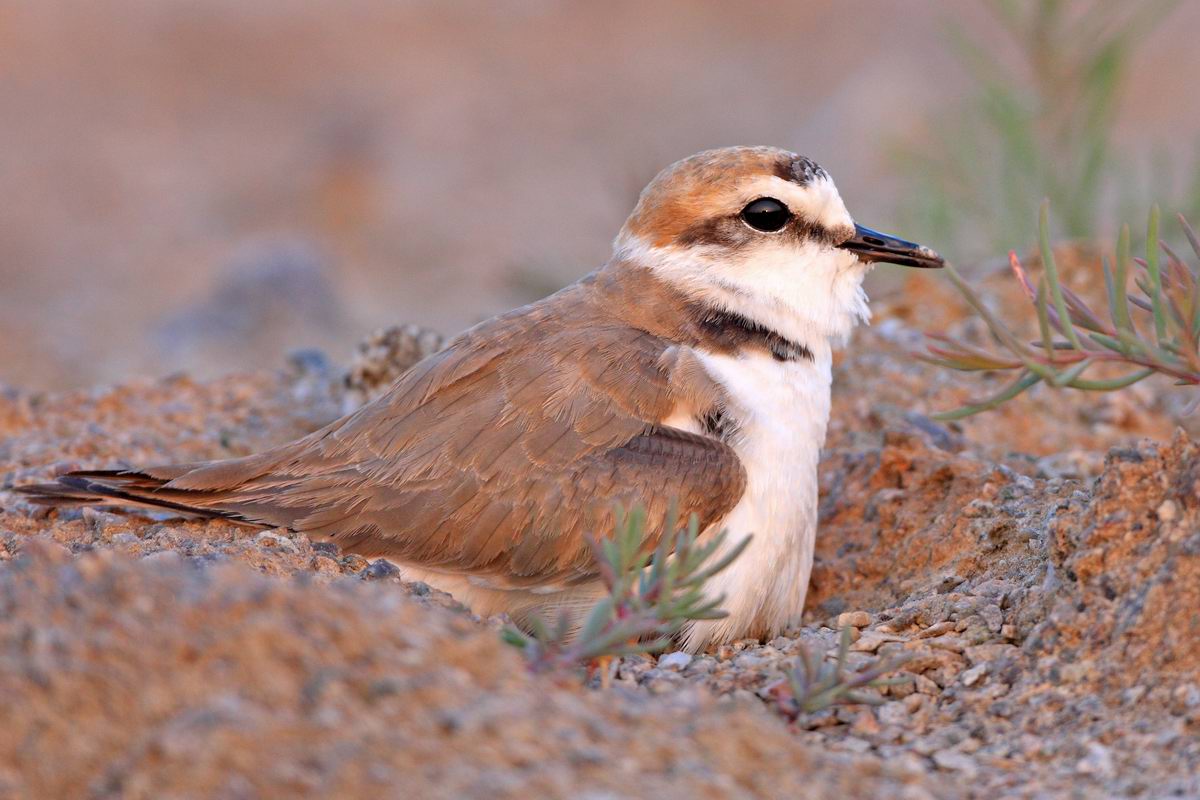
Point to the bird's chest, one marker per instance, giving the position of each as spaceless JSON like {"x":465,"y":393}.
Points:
{"x":778,"y":412}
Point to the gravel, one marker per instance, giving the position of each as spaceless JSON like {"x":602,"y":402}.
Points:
{"x":1044,"y":611}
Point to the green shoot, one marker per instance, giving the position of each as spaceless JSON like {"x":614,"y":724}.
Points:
{"x":650,"y":597}
{"x":1170,"y":300}
{"x":816,"y":684}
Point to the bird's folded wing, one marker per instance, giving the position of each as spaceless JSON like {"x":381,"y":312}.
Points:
{"x":491,"y":460}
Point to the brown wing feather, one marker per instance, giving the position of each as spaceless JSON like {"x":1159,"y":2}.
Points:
{"x":494,"y":457}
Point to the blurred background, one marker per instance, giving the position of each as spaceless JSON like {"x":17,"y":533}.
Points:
{"x":206,"y":185}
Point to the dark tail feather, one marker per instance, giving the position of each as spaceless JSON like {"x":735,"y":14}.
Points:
{"x":115,"y":488}
{"x":57,"y":494}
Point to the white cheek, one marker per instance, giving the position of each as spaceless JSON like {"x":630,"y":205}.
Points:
{"x":813,"y":291}
{"x":809,"y":294}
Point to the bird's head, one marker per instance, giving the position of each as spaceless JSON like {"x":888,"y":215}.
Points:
{"x":763,"y":233}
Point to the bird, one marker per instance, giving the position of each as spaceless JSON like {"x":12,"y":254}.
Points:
{"x":689,"y":375}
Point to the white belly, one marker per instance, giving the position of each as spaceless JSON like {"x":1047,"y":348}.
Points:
{"x":781,"y":410}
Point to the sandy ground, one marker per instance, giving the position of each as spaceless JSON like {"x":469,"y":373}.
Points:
{"x":1038,"y":566}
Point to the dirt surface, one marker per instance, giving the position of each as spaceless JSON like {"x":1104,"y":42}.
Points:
{"x":167,"y":677}
{"x":1039,"y":567}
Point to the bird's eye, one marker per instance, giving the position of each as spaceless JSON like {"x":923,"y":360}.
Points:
{"x":766,"y":214}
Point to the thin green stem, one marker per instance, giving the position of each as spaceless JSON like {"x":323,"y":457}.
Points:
{"x":1023,"y":382}
{"x":1154,"y":268}
{"x":1060,"y":305}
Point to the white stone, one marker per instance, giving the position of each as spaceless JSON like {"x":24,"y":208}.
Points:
{"x":974,"y":674}
{"x":676,"y":660}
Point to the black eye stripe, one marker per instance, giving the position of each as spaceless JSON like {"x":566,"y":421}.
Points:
{"x":735,"y":231}
{"x":766,"y":214}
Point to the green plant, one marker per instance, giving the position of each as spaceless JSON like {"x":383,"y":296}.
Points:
{"x":1166,"y":342}
{"x":650,"y":596}
{"x":816,"y":684}
{"x":1037,"y":125}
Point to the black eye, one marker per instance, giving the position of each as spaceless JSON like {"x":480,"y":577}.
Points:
{"x":766,"y":214}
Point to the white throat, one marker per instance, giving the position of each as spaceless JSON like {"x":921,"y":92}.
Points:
{"x":809,"y":293}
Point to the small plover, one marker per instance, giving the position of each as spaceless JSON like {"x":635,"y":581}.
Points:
{"x":691,"y":369}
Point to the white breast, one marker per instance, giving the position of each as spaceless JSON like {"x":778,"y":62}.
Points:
{"x":781,"y":410}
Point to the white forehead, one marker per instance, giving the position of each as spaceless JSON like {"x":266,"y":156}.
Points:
{"x":817,"y":201}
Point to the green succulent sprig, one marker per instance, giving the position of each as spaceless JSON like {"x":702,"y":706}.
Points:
{"x":1154,"y":332}
{"x":816,"y":684}
{"x":650,"y":596}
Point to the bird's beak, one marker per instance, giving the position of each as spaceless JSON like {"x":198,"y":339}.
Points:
{"x":871,"y":245}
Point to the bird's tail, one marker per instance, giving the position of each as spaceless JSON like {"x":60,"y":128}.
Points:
{"x":115,"y":488}
{"x":150,"y":488}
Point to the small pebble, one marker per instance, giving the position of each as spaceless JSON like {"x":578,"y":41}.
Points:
{"x":663,"y":685}
{"x":1097,"y":761}
{"x":324,"y":565}
{"x":273,"y":539}
{"x":925,"y":685}
{"x":380,"y":569}
{"x":750,"y":660}
{"x":951,"y":644}
{"x":1133,"y":694}
{"x":870,"y":641}
{"x":98,"y":520}
{"x":328,"y":548}
{"x":954,"y":761}
{"x":973,"y":675}
{"x":1074,"y":673}
{"x":1186,"y":696}
{"x":676,"y":660}
{"x":893,"y":714}
{"x":854,"y":744}
{"x":354,"y":563}
{"x":936,"y":629}
{"x":163,"y":558}
{"x":948,"y":582}
{"x":865,"y":723}
{"x":993,"y":617}
{"x":853,"y":619}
